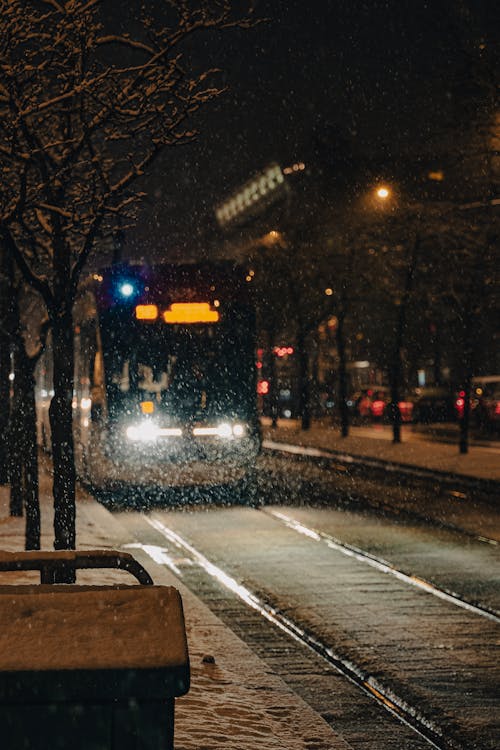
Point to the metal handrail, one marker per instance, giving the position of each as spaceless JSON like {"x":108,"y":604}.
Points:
{"x":50,"y":562}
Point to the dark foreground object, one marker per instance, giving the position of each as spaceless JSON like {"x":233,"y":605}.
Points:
{"x":89,"y":667}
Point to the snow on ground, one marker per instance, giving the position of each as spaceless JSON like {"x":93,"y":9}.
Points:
{"x":235,"y":701}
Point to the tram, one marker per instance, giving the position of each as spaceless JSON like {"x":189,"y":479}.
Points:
{"x":165,"y":377}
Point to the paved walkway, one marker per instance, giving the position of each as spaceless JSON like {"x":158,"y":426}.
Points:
{"x":235,"y":701}
{"x":418,"y":448}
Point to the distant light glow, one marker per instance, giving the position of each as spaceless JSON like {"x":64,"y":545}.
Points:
{"x":328,"y":291}
{"x":261,"y":189}
{"x":297,"y":167}
{"x":383,"y":192}
{"x":263,"y":387}
{"x":282,"y":351}
{"x":378,"y":407}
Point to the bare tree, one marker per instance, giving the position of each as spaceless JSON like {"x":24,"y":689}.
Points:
{"x":27,"y":346}
{"x":6,"y":324}
{"x":21,"y":347}
{"x":84,"y":112}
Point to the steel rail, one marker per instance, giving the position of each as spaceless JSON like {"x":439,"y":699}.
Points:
{"x":382,"y":565}
{"x":397,"y":706}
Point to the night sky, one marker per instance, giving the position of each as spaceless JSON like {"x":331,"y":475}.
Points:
{"x":381,"y":73}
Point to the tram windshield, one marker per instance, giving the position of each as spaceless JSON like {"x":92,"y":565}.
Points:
{"x":177,"y":372}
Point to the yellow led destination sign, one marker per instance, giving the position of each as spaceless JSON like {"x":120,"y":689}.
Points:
{"x":190,"y":312}
{"x":146,"y":312}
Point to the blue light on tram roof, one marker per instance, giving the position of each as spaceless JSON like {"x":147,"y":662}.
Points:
{"x":127,"y":289}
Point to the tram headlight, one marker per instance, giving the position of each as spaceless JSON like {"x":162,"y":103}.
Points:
{"x":148,"y":431}
{"x":142,"y":432}
{"x":226,"y":430}
{"x":222,"y":430}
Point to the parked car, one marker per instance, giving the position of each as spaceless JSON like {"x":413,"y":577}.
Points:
{"x":434,"y":404}
{"x":372,"y":402}
{"x":484,"y":402}
{"x":488,"y":410}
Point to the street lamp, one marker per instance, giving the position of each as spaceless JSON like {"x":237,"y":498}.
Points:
{"x":383,"y":192}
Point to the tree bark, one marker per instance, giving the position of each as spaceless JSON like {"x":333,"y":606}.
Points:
{"x":396,"y":364}
{"x":4,"y":411}
{"x":23,"y":446}
{"x":30,"y":463}
{"x":464,"y":425}
{"x":341,"y":351}
{"x":273,"y":379}
{"x":304,"y":404}
{"x":61,"y":424}
{"x":6,"y":305}
{"x":16,"y":453}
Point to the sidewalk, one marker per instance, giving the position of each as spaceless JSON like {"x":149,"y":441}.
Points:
{"x":235,"y":701}
{"x":375,"y":441}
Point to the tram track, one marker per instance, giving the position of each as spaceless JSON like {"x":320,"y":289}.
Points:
{"x":355,"y":484}
{"x":426,"y":727}
{"x":383,"y":566}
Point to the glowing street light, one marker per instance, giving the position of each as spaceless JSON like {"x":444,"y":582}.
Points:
{"x":383,"y":192}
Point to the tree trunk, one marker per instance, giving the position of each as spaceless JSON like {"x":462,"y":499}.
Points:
{"x":16,"y":450}
{"x":31,"y":489}
{"x":304,"y":405}
{"x":61,"y":424}
{"x":396,"y":367}
{"x":4,"y":411}
{"x":436,"y":345}
{"x":6,"y":326}
{"x":463,"y":441}
{"x":273,"y":379}
{"x":394,"y":410}
{"x":23,"y":447}
{"x":342,"y":393}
